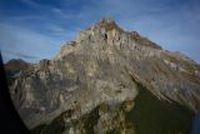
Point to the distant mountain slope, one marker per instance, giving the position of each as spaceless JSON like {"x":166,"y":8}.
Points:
{"x":14,"y":68}
{"x":15,"y":65}
{"x":102,"y":68}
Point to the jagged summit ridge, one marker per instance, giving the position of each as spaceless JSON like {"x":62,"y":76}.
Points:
{"x":107,"y":30}
{"x":109,"y":24}
{"x":103,"y":66}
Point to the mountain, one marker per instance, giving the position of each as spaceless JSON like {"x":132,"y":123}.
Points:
{"x":109,"y":81}
{"x":14,"y":68}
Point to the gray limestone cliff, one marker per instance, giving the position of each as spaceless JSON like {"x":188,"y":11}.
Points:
{"x":97,"y":77}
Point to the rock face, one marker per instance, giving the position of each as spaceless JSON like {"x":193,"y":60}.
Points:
{"x":93,"y":82}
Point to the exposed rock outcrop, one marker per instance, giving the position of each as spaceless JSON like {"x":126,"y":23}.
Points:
{"x":103,"y":66}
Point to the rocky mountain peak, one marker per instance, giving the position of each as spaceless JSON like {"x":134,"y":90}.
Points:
{"x":106,"y":31}
{"x":109,"y":24}
{"x":100,"y":75}
{"x":107,"y":19}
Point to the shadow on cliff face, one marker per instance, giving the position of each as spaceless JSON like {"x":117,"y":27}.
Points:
{"x":149,"y":116}
{"x":153,"y":116}
{"x":196,"y":124}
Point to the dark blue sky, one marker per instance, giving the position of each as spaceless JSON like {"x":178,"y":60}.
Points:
{"x":36,"y":29}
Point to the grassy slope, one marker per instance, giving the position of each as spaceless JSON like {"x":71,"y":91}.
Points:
{"x":152,"y":116}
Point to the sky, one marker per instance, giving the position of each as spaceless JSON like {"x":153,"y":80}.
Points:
{"x":36,"y":29}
